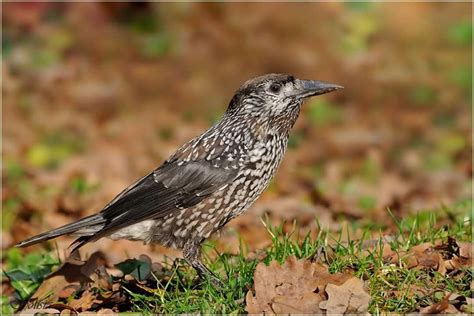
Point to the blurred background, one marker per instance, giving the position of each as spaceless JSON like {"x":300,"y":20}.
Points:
{"x":96,"y":95}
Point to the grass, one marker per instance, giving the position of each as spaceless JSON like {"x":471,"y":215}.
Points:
{"x":393,"y":287}
{"x":26,"y":273}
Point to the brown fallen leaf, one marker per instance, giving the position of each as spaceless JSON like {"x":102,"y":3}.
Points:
{"x":83,"y":303}
{"x":71,"y":273}
{"x":462,"y":303}
{"x":64,"y":308}
{"x":408,"y":259}
{"x":67,"y":312}
{"x":440,"y":256}
{"x":422,"y":256}
{"x":97,"y":259}
{"x":297,"y":286}
{"x":448,"y":249}
{"x":458,"y":262}
{"x":437,"y":308}
{"x":106,"y":311}
{"x":451,"y":309}
{"x":465,"y":250}
{"x":68,"y":290}
{"x":373,"y":246}
{"x":101,"y":278}
{"x":349,"y":297}
{"x":428,"y":259}
{"x":441,"y":266}
{"x":39,"y":311}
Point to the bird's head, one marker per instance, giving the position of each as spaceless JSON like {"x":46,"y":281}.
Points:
{"x":275,"y":96}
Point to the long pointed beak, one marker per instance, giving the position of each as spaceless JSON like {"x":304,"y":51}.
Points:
{"x":310,"y":88}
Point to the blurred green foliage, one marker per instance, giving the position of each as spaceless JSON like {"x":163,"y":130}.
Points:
{"x":370,"y":171}
{"x":295,"y":140}
{"x":139,"y":269}
{"x":165,"y":133}
{"x":359,"y":5}
{"x":462,"y":76}
{"x":188,"y":116}
{"x":461,"y":33}
{"x":451,"y":143}
{"x":7,"y":45}
{"x":81,"y":186}
{"x":13,"y":169}
{"x":50,"y":51}
{"x":367,"y":202}
{"x":423,"y":95}
{"x":156,"y":45}
{"x":214,"y":115}
{"x":140,"y":21}
{"x":45,"y":57}
{"x":27,"y":272}
{"x":361,"y":28}
{"x":444,"y":120}
{"x":60,"y":40}
{"x":322,"y":112}
{"x":53,"y":149}
{"x":447,"y":146}
{"x":10,"y":208}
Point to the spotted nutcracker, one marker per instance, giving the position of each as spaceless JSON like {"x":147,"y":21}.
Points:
{"x":208,"y":181}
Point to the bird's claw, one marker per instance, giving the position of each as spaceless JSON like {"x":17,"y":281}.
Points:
{"x":216,"y":282}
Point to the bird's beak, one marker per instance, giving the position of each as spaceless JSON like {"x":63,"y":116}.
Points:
{"x":309,"y":88}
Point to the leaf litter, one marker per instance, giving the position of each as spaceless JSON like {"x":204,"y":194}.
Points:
{"x":86,"y":285}
{"x":302,"y":286}
{"x":297,"y":286}
{"x":347,"y":298}
{"x":413,"y":158}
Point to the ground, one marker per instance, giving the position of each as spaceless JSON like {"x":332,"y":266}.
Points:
{"x":97,"y":95}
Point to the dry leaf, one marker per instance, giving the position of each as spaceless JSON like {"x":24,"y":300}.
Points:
{"x":408,"y":259}
{"x":67,"y":312}
{"x":429,"y":259}
{"x":106,"y":311}
{"x":63,"y":308}
{"x":71,"y":273}
{"x":423,"y":256}
{"x":437,"y":308}
{"x":451,"y":309}
{"x":465,"y":249}
{"x":39,"y":311}
{"x":68,"y":290}
{"x":349,"y":297}
{"x":294,"y":287}
{"x":83,"y":303}
{"x":462,"y":303}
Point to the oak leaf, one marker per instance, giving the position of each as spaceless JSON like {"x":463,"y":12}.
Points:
{"x":297,"y":286}
{"x":349,"y":297}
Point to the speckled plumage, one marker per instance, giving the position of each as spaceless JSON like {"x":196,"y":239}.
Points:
{"x":208,"y":181}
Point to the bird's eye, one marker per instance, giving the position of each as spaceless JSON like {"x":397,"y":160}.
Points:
{"x":275,"y":87}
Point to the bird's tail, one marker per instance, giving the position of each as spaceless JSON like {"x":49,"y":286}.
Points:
{"x":86,"y":226}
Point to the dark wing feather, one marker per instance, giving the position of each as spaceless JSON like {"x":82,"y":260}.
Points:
{"x":176,"y":184}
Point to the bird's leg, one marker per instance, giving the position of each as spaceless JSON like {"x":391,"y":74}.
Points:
{"x":191,"y":253}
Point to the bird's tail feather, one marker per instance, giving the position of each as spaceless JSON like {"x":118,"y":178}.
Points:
{"x":86,"y":226}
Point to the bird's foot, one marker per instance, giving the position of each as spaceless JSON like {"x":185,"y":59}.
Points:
{"x":191,"y":255}
{"x":206,"y":274}
{"x":214,"y":280}
{"x":320,"y":255}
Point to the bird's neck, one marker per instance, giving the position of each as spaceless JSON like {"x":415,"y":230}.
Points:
{"x":253,"y":128}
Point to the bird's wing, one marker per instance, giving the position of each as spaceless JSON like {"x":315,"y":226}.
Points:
{"x":177,"y":184}
{"x":172,"y":186}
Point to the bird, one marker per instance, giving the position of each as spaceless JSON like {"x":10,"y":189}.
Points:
{"x":208,"y":181}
